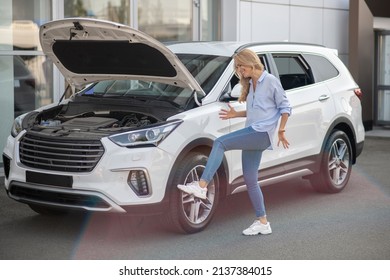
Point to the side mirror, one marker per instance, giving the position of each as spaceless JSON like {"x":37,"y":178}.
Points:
{"x":231,"y":94}
{"x":236,"y":91}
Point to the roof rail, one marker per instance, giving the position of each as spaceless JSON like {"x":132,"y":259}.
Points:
{"x":252,"y":44}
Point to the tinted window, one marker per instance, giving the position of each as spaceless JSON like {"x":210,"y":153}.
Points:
{"x":322,"y":68}
{"x":293,"y":71}
{"x":264,"y":62}
{"x":206,"y":69}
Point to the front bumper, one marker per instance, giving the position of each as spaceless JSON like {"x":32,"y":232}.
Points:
{"x":78,"y":200}
{"x":61,"y":197}
{"x":104,"y":189}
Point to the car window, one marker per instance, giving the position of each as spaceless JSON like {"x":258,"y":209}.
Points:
{"x":140,"y":90}
{"x":293,"y":71}
{"x":322,"y":68}
{"x":206,"y":69}
{"x":264,"y":61}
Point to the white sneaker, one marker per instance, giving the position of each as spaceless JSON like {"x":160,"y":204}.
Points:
{"x":257,"y":228}
{"x":194,"y":188}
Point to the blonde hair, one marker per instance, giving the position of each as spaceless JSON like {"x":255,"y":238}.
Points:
{"x":248,"y":58}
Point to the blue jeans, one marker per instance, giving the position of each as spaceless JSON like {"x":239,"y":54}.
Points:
{"x":252,"y":143}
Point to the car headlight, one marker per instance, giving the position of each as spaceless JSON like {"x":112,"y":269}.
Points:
{"x":147,"y":136}
{"x":17,"y":126}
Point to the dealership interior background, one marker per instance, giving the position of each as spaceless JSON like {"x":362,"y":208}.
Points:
{"x":358,"y":29}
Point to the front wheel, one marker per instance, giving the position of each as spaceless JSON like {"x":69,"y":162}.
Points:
{"x":187,"y":213}
{"x":336,"y":164}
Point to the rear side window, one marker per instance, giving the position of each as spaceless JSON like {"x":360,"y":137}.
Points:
{"x":293,"y":71}
{"x":322,"y":68}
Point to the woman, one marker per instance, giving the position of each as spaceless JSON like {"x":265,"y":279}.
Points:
{"x":266,"y":104}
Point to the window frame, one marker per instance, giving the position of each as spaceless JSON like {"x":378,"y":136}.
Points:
{"x":302,"y":63}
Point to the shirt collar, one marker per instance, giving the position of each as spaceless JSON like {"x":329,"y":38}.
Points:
{"x":265,"y":73}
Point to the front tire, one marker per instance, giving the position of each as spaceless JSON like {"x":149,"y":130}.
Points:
{"x":336,"y":164}
{"x":187,"y":213}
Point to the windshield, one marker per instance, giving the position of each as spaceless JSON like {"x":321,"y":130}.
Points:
{"x":205,"y":68}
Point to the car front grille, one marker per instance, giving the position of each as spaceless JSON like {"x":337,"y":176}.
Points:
{"x":59,"y":154}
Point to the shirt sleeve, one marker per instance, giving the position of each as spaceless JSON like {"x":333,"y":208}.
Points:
{"x":280,"y":97}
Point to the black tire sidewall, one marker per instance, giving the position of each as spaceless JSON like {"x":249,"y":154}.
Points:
{"x":177,"y":214}
{"x":327,"y":183}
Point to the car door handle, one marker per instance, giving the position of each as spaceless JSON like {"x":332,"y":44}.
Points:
{"x":323,"y":97}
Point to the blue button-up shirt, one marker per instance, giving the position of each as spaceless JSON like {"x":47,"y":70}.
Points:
{"x":265,"y":105}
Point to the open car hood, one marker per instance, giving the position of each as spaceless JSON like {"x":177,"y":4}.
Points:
{"x":89,"y":50}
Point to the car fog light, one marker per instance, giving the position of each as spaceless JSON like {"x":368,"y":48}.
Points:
{"x":138,"y":181}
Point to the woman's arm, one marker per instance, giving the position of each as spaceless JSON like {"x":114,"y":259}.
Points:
{"x":231,"y":113}
{"x":283,"y":121}
{"x":282,"y":130}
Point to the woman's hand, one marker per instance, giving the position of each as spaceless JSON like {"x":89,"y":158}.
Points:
{"x":227,"y":114}
{"x":282,"y":139}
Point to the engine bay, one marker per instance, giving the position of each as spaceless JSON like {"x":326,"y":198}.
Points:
{"x":93,"y":121}
{"x":98,"y":123}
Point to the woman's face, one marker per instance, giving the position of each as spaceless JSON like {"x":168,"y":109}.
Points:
{"x":244,"y":71}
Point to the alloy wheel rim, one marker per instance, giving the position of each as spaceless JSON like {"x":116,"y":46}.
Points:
{"x":339,"y":162}
{"x":197,"y":210}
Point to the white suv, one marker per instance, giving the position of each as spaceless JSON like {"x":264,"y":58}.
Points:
{"x":144,"y":115}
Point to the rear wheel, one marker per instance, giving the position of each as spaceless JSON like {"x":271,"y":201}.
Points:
{"x":190,"y":214}
{"x":336,"y":164}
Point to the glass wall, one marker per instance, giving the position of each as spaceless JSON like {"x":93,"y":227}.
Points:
{"x":383,"y":81}
{"x":27,"y":67}
{"x":112,"y":10}
{"x":211,"y":20}
{"x":25,"y":74}
{"x":166,"y":20}
{"x":179,"y":20}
